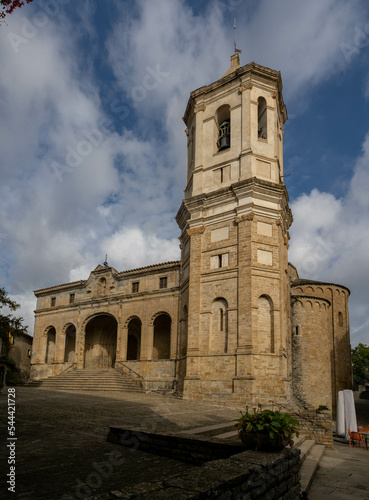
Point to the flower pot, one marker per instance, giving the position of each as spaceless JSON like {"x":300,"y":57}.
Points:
{"x":261,"y":442}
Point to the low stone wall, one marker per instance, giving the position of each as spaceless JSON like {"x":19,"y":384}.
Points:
{"x":317,"y":426}
{"x":243,"y":475}
{"x":157,"y":375}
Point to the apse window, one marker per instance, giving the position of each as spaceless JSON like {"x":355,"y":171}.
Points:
{"x":135,"y":287}
{"x":72,"y":297}
{"x":163,"y":282}
{"x":223,"y":118}
{"x":53,"y":301}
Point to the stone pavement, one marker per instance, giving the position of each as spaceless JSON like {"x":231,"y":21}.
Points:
{"x":344,"y":472}
{"x":62,"y":453}
{"x":61,"y":448}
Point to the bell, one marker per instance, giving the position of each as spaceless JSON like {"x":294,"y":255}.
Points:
{"x":224,"y":142}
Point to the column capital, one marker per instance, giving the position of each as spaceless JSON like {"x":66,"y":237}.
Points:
{"x":196,"y":230}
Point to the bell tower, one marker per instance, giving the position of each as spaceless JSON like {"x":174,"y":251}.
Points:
{"x":234,"y":221}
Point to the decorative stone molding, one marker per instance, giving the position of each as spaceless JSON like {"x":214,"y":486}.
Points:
{"x":187,"y":131}
{"x":275,"y":94}
{"x":241,"y":218}
{"x":245,"y":86}
{"x":196,"y":230}
{"x":199,"y":107}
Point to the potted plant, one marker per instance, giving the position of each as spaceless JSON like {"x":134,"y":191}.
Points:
{"x":266,"y":430}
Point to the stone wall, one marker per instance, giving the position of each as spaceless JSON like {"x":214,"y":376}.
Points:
{"x":244,"y":475}
{"x":321,"y":341}
{"x":20,"y":353}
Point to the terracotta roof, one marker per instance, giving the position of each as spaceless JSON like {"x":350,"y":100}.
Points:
{"x":57,"y":287}
{"x":151,"y":267}
{"x":313,"y":282}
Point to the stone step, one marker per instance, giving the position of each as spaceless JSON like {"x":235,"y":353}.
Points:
{"x":101,"y":379}
{"x":211,"y":430}
{"x":310,"y":467}
{"x":229,"y":435}
{"x":305,"y":447}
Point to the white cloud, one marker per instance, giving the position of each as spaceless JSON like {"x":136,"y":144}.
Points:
{"x":124,"y":192}
{"x":330,"y":241}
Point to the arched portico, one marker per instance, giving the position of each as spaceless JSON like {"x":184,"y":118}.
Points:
{"x":70,"y":343}
{"x":162,"y":333}
{"x":134,"y":339}
{"x":50,"y":345}
{"x":100,"y":341}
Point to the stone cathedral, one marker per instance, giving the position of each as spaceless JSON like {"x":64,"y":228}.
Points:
{"x":232,"y":321}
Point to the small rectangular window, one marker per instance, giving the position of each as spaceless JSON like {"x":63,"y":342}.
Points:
{"x":163,"y":282}
{"x":29,"y":353}
{"x":72,"y":296}
{"x":135,"y":286}
{"x":53,"y":301}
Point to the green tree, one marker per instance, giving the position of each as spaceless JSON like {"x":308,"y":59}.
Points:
{"x":360,"y":362}
{"x":8,"y":322}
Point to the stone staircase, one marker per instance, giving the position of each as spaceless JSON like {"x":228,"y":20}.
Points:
{"x":311,"y":454}
{"x":99,"y":379}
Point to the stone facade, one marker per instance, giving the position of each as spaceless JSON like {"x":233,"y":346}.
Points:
{"x":231,"y":321}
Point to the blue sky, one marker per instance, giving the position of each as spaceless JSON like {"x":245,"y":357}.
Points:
{"x":93,"y":144}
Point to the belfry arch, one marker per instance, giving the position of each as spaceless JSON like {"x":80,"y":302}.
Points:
{"x":100,"y":342}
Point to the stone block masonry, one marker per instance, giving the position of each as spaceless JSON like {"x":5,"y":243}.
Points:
{"x":244,"y":475}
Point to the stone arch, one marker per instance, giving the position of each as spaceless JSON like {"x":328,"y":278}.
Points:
{"x":262,"y":118}
{"x":134,"y":328}
{"x":69,"y":331}
{"x":100,"y":340}
{"x":50,"y":333}
{"x":266,"y":341}
{"x":162,"y":323}
{"x":218,"y":341}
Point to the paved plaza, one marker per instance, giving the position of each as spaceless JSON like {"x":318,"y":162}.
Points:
{"x":62,"y":453}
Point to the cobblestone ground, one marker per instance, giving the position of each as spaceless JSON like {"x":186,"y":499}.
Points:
{"x":61,"y":449}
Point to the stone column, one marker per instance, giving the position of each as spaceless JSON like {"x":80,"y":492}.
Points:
{"x":59,"y":347}
{"x":122,"y":340}
{"x":194,"y":289}
{"x":80,"y":348}
{"x":149,"y":341}
{"x":246,"y":116}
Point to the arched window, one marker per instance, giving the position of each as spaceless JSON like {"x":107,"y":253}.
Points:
{"x":265,"y":324}
{"x":262,"y":119}
{"x":218,"y":341}
{"x":223,"y":118}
